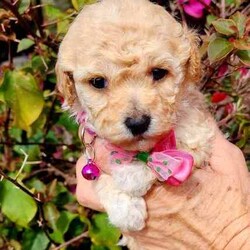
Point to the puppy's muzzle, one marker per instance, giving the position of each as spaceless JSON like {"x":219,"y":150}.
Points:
{"x":138,"y":125}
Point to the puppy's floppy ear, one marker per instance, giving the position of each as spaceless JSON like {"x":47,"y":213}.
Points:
{"x":194,"y":62}
{"x":66,"y":86}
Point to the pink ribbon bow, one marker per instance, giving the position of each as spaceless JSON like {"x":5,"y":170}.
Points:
{"x":169,"y":164}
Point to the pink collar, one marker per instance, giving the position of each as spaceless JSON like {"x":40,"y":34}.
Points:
{"x":170,"y":165}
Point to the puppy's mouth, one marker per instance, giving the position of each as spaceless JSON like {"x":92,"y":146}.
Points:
{"x":140,"y":143}
{"x":140,"y":138}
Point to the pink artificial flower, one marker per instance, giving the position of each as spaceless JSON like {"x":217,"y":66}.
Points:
{"x":194,"y":8}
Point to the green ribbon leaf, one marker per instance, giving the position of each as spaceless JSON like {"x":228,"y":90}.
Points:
{"x":142,"y":156}
{"x":218,"y":49}
{"x":19,"y":207}
{"x":225,"y":26}
{"x":24,"y":97}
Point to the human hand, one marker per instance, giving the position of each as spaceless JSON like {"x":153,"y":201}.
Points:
{"x":209,"y":211}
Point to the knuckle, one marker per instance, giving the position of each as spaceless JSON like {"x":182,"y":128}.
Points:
{"x":81,"y":197}
{"x":236,"y":151}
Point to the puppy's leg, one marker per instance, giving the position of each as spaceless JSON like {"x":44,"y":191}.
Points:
{"x":195,"y":135}
{"x":126,"y":212}
{"x":135,"y":179}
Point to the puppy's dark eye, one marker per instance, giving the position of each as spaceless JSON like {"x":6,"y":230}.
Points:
{"x":70,"y":76}
{"x":158,"y":73}
{"x":98,"y":82}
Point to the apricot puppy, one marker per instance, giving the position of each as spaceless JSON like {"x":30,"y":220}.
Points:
{"x":133,"y":70}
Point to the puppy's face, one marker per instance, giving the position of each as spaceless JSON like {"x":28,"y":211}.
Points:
{"x":128,"y":70}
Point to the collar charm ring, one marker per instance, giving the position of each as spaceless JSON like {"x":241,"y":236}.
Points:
{"x":90,"y":171}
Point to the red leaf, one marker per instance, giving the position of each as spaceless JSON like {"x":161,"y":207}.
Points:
{"x":218,"y":97}
{"x":223,"y":69}
{"x":229,"y":107}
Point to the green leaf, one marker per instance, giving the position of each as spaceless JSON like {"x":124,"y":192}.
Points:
{"x":51,"y":214}
{"x":23,"y":96}
{"x":95,"y":247}
{"x":218,"y":49}
{"x":39,"y":123}
{"x":102,"y":232}
{"x":63,"y":26}
{"x":34,"y":240}
{"x":210,"y":19}
{"x":52,"y":13}
{"x":75,"y":4}
{"x":37,"y":185}
{"x":25,"y":44}
{"x":38,"y":65}
{"x":244,"y":56}
{"x":225,"y":26}
{"x":57,"y":236}
{"x":78,"y":4}
{"x":1,"y":90}
{"x":77,"y":227}
{"x":62,"y":226}
{"x":68,"y":122}
{"x":245,"y":136}
{"x":242,"y":44}
{"x":240,"y":21}
{"x":15,"y":245}
{"x":2,"y":96}
{"x":64,"y":221}
{"x":23,"y":6}
{"x":19,"y":207}
{"x":16,"y":133}
{"x":230,"y":2}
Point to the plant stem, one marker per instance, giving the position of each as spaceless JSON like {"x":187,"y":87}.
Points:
{"x":25,"y":190}
{"x":223,"y":8}
{"x":43,"y":221}
{"x":49,"y":122}
{"x":67,"y":243}
{"x":39,"y":144}
{"x":21,"y":20}
{"x":25,"y":25}
{"x":7,"y":150}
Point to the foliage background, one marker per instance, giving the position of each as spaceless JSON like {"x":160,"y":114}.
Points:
{"x":38,"y":142}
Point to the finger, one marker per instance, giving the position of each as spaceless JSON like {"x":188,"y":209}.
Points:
{"x":85,"y":190}
{"x":226,"y":158}
{"x":102,"y":155}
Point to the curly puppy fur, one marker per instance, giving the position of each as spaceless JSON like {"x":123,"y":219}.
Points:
{"x":122,"y":41}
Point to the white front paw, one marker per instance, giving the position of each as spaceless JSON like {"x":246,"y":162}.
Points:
{"x":128,"y":213}
{"x":135,"y":179}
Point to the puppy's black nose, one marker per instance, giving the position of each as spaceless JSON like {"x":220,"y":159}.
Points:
{"x":139,"y":125}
